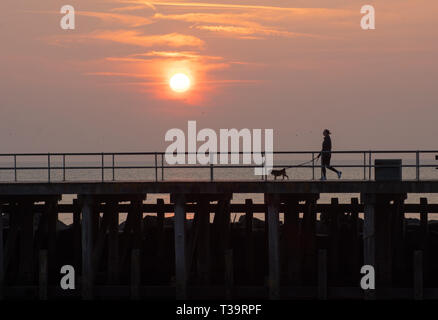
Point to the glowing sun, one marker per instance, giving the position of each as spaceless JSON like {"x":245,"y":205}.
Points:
{"x":180,"y":82}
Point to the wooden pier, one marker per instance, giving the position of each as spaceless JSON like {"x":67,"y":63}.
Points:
{"x":315,"y":251}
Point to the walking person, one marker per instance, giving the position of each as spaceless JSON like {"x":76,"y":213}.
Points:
{"x":326,"y":156}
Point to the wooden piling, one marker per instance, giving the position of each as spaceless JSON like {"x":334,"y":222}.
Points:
{"x":418,"y":275}
{"x":52,"y":220}
{"x":87,"y":247}
{"x":424,"y":224}
{"x":322,"y":274}
{"x":273,"y":204}
{"x":77,"y":233}
{"x":334,"y":233}
{"x":137,"y":225}
{"x":220,"y":237}
{"x":180,"y":246}
{"x":43,"y":274}
{"x":99,"y":241}
{"x":308,"y":239}
{"x":229,"y":273}
{"x":160,"y":233}
{"x":355,"y":216}
{"x":292,"y":245}
{"x":12,"y":239}
{"x":26,"y":243}
{"x":203,"y":259}
{"x":354,"y":255}
{"x":397,"y":230}
{"x":369,"y":235}
{"x":249,"y":241}
{"x":135,"y":274}
{"x":113,"y":242}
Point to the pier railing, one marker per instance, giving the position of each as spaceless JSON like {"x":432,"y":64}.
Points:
{"x":51,"y":167}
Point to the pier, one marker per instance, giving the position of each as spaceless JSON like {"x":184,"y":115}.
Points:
{"x":298,"y":249}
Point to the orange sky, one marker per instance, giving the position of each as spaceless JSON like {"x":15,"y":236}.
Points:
{"x":294,"y":66}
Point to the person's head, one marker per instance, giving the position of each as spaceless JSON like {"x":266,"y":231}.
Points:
{"x":326,"y":132}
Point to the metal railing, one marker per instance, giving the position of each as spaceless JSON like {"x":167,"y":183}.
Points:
{"x":99,"y":163}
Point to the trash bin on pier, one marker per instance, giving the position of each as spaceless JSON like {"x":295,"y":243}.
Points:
{"x":388,"y":169}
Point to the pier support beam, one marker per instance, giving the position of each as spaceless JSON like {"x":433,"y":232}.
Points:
{"x":221,"y":237}
{"x":299,"y":235}
{"x":308,"y":239}
{"x":322,"y":274}
{"x":273,"y":203}
{"x":52,"y":220}
{"x":369,"y":235}
{"x":87,"y":247}
{"x":249,"y":241}
{"x":42,"y":275}
{"x":113,"y":242}
{"x":180,"y":246}
{"x":77,"y":240}
{"x":418,"y":275}
{"x":26,"y":242}
{"x":203,"y":245}
{"x":160,"y":235}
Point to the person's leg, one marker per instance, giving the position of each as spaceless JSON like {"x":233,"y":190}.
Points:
{"x":323,"y":171}
{"x":333,"y":169}
{"x":327,"y":164}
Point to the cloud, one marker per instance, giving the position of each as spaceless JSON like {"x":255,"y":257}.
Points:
{"x":124,"y":19}
{"x":248,"y":31}
{"x":133,"y":8}
{"x":245,"y":25}
{"x":226,"y":6}
{"x":174,"y":55}
{"x":136,"y":38}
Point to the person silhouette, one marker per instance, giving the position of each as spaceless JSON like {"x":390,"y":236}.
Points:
{"x":326,"y":156}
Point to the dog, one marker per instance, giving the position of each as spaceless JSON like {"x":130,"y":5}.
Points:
{"x":278,"y":173}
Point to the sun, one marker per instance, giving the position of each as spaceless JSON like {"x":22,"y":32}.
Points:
{"x":180,"y":82}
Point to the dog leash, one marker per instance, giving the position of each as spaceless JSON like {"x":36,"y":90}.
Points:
{"x":304,"y":163}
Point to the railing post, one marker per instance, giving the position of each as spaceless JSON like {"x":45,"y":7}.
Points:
{"x":369,"y":168}
{"x":103,"y":167}
{"x":113,"y":165}
{"x":156,"y":167}
{"x":364,"y":166}
{"x":211,"y":166}
{"x":162,"y":167}
{"x":15,"y":167}
{"x":63,"y":167}
{"x":48,"y":166}
{"x":313,"y":166}
{"x":417,"y":165}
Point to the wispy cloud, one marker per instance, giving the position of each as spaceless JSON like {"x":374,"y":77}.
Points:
{"x":133,"y":8}
{"x":136,"y":38}
{"x":240,"y":24}
{"x":174,"y":55}
{"x":248,"y":31}
{"x":223,"y":6}
{"x":124,"y":19}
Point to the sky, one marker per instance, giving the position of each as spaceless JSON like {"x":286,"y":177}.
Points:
{"x":294,"y":66}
